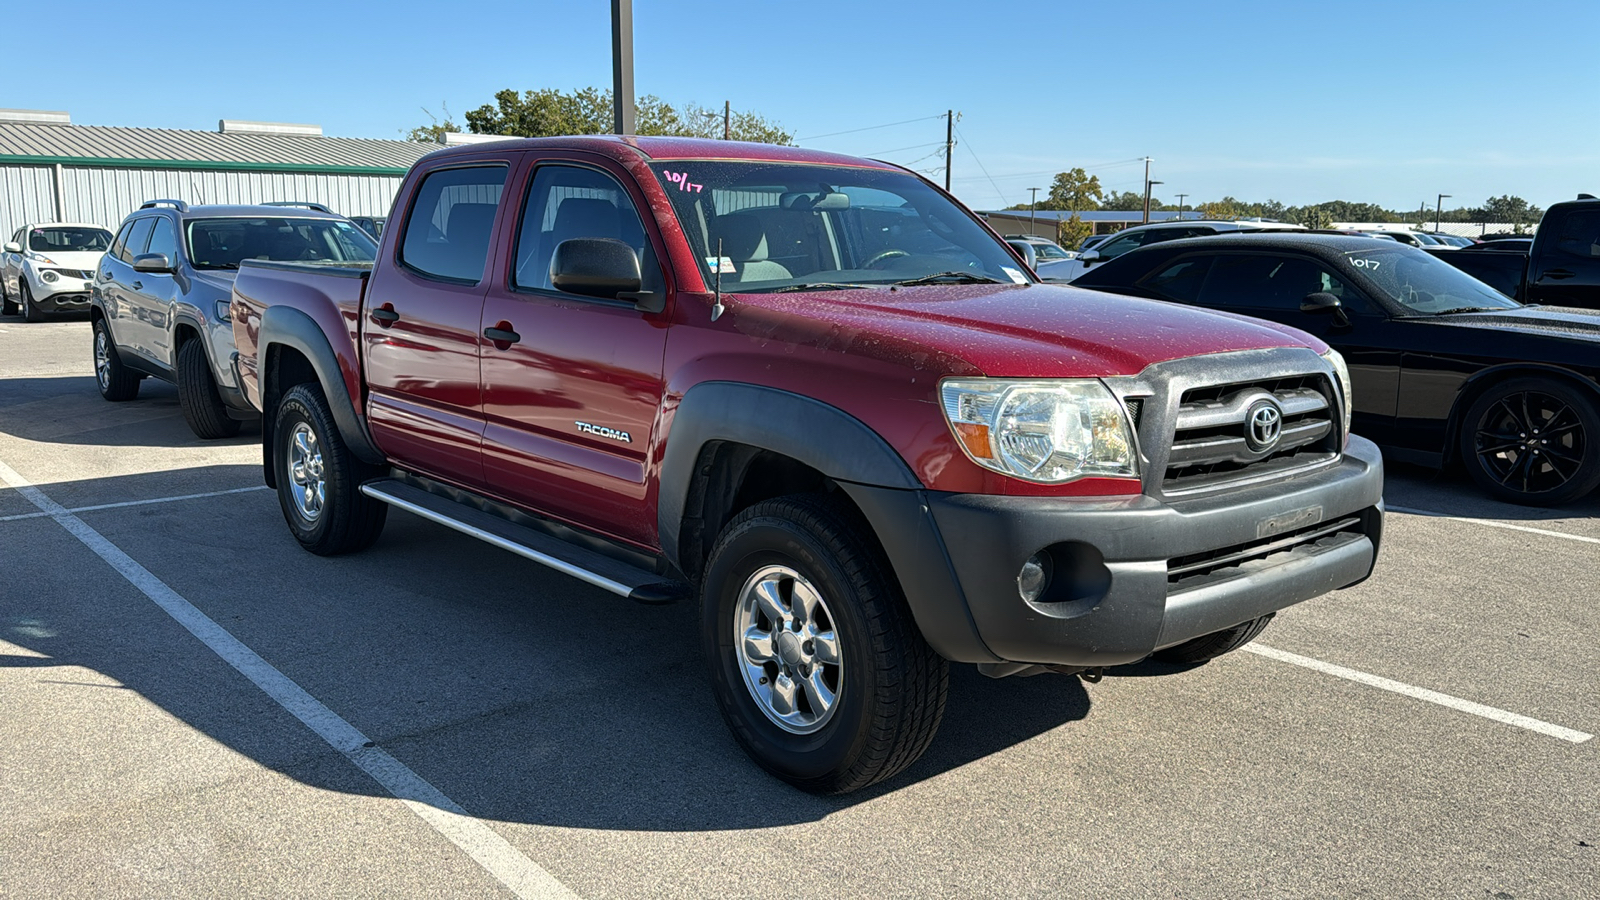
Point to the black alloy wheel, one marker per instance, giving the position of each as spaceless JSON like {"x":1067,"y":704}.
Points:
{"x":1533,"y":442}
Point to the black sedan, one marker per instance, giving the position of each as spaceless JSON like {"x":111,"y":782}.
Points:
{"x":1444,"y":367}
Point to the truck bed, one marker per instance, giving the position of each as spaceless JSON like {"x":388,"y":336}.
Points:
{"x":329,"y":293}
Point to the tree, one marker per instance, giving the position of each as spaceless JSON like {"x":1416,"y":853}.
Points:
{"x":1126,"y":200}
{"x":1074,"y":190}
{"x":549,"y":112}
{"x":1508,"y":208}
{"x":1071,"y":233}
{"x":434,"y":132}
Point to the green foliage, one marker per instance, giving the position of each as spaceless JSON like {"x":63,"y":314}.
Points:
{"x":1126,"y":200}
{"x":550,"y":112}
{"x":1074,"y":190}
{"x":1507,"y":208}
{"x":1071,"y":233}
{"x":434,"y":132}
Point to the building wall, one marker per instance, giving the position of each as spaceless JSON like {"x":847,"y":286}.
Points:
{"x":105,"y":196}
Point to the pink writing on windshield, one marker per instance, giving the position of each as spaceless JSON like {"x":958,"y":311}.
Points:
{"x":681,"y":179}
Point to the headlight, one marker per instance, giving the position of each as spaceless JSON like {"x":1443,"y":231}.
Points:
{"x":48,"y":276}
{"x":222,"y":311}
{"x":1048,"y":432}
{"x":1343,"y":371}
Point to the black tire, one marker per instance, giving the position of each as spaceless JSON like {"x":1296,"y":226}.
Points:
{"x":1533,"y":441}
{"x":30,"y":311}
{"x":117,"y":382}
{"x":1210,"y":646}
{"x":346,"y":520}
{"x":198,"y":396}
{"x":891,"y":687}
{"x":8,"y":306}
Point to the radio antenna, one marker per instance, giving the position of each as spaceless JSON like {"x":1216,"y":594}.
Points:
{"x":716,"y":305}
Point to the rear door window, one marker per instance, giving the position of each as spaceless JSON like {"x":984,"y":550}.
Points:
{"x":1578,"y":234}
{"x":451,"y":224}
{"x":1276,"y":283}
{"x":1180,"y":279}
{"x":138,"y":236}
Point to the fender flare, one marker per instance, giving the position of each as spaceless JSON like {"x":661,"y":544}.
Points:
{"x":1473,"y":386}
{"x":289,"y":327}
{"x":824,"y":437}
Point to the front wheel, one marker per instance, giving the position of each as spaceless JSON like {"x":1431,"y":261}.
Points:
{"x":30,"y":310}
{"x":1533,"y":442}
{"x":817,"y":666}
{"x":319,"y":479}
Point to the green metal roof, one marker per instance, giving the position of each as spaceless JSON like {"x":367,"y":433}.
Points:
{"x":168,"y":148}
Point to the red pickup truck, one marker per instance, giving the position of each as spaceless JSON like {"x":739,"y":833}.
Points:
{"x":820,"y":396}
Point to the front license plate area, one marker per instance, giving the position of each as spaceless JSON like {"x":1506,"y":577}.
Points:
{"x":1288,"y":521}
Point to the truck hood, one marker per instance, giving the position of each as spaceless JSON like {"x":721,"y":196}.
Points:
{"x":1034,"y":330}
{"x":1579,"y":324}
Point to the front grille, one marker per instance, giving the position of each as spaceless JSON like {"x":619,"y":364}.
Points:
{"x":1211,"y":445}
{"x":1199,"y":569}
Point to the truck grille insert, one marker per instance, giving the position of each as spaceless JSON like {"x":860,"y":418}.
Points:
{"x":1199,"y":569}
{"x":1251,"y":430}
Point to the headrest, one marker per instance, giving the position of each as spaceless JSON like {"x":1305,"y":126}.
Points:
{"x":470,"y":223}
{"x":586,"y":217}
{"x":744,"y":238}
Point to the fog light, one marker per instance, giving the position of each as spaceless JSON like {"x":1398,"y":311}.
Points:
{"x":48,"y":276}
{"x":1034,"y":577}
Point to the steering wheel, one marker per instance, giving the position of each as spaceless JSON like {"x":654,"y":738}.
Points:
{"x":880,"y":257}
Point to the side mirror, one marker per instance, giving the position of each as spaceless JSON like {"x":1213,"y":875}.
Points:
{"x":1089,"y":257}
{"x":600,"y":267}
{"x":1028,"y":254}
{"x":13,"y":247}
{"x":1324,"y":302}
{"x":152,"y":262}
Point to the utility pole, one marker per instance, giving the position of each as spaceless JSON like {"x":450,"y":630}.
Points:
{"x":1180,"y":206}
{"x":1146,"y":190}
{"x":727,"y":118}
{"x":949,"y":144}
{"x":1033,"y":206}
{"x":622,"y":65}
{"x":1438,"y":212}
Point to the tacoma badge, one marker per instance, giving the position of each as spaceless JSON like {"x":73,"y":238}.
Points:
{"x":602,"y":431}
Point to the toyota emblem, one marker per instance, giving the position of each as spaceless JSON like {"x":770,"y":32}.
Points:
{"x":1263,"y":426}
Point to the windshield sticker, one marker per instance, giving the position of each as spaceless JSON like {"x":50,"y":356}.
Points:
{"x":681,"y":179}
{"x":723,"y":265}
{"x":1016,"y":276}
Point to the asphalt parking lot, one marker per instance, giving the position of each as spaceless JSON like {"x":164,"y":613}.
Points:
{"x":1424,"y":734}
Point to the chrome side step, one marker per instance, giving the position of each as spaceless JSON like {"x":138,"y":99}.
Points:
{"x":583,"y":564}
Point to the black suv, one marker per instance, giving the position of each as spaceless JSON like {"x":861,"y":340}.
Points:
{"x":160,"y":297}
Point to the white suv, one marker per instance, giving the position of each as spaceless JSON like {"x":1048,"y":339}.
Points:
{"x":50,"y":267}
{"x":1139,"y":235}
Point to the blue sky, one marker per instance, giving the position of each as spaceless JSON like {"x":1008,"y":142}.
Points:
{"x":1303,"y":102}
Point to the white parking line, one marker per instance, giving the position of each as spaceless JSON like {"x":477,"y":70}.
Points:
{"x":1581,"y":538}
{"x":1416,"y":693}
{"x":79,"y":509}
{"x":506,"y":863}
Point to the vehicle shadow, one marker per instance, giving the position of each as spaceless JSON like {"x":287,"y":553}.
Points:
{"x":1450,"y":491}
{"x":523,"y":695}
{"x":70,"y":410}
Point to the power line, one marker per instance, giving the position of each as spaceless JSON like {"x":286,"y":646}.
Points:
{"x":912,"y":147}
{"x":1090,"y":169}
{"x":813,"y":137}
{"x":968,"y":144}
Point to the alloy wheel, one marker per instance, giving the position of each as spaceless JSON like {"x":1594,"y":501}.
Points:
{"x":1531,"y":442}
{"x":788,"y":649}
{"x":102,"y":358}
{"x":305,"y":470}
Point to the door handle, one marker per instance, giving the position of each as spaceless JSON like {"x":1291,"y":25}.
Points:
{"x":137,"y":285}
{"x":501,"y":333}
{"x":385,"y":315}
{"x":1557,"y":274}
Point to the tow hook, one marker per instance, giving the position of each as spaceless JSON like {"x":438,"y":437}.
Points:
{"x":1094,"y":675}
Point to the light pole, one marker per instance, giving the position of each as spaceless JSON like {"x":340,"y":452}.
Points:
{"x":1033,"y":206}
{"x":1438,"y":212}
{"x":1148,"y":184}
{"x":1180,"y":206}
{"x":622,"y":65}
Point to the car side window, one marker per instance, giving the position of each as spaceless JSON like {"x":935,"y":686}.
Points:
{"x":1118,"y":246}
{"x":1276,"y":283}
{"x":138,"y":236}
{"x":566,"y":202}
{"x":164,"y":240}
{"x":121,"y":241}
{"x":1180,"y":279}
{"x":1578,"y":234}
{"x":451,"y":224}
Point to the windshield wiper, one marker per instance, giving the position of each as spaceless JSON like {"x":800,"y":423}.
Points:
{"x":1462,"y":309}
{"x":951,"y":278}
{"x":817,"y":286}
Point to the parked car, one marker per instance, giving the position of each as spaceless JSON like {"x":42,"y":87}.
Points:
{"x":1454,"y":240}
{"x":47,"y":268}
{"x":1560,"y":264}
{"x":161,"y":294}
{"x":1517,"y":245}
{"x":1045,"y":250}
{"x":1141,"y":235}
{"x":1445,"y":368}
{"x":1093,"y":241}
{"x":824,"y":398}
{"x":372,"y":225}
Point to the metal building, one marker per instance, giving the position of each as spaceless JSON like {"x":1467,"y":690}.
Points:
{"x":52,"y":170}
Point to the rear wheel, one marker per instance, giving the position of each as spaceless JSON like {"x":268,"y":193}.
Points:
{"x":7,"y":305}
{"x":198,"y":396}
{"x":117,"y":382}
{"x":816,"y":663}
{"x":319,"y":479}
{"x":30,"y":311}
{"x":1533,"y":441}
{"x":1210,"y":646}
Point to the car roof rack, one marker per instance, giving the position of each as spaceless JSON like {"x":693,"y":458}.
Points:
{"x":305,"y":203}
{"x":178,"y":205}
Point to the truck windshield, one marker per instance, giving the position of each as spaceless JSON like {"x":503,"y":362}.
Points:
{"x":1424,"y":284}
{"x":224,"y":243}
{"x":69,"y":240}
{"x":789,"y":226}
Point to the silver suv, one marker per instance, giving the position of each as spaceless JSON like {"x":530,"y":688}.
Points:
{"x":159,"y":300}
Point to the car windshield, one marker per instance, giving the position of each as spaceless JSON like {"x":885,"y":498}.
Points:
{"x":1049,"y":251}
{"x":69,"y":240}
{"x":224,"y":243}
{"x":1423,"y":283}
{"x":790,"y":226}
